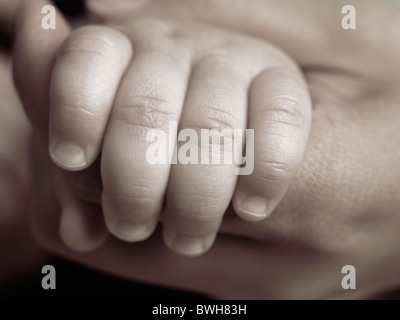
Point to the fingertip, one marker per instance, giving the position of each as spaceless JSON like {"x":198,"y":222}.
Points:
{"x":187,"y":245}
{"x":249,"y":202}
{"x":251,"y":207}
{"x":69,"y":156}
{"x":124,"y":228}
{"x":80,"y":233}
{"x":131,"y":231}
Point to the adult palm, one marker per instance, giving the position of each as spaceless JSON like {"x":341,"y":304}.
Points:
{"x":343,"y":206}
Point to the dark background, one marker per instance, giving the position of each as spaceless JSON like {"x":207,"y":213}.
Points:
{"x":76,"y":282}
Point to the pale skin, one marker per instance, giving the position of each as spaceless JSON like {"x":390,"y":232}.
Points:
{"x":342,"y":207}
{"x":20,"y":253}
{"x":111,"y":84}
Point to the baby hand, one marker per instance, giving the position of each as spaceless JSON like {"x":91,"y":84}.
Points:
{"x":115,"y":88}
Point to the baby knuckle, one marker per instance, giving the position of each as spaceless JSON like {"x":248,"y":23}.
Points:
{"x":219,"y":58}
{"x":284,"y":110}
{"x":216,"y":118}
{"x":217,"y":127}
{"x":202,"y":209}
{"x":148,"y":112}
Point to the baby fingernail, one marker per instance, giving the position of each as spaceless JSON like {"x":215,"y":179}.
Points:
{"x":131,"y":231}
{"x":255,"y":208}
{"x":189,"y":245}
{"x":69,"y":156}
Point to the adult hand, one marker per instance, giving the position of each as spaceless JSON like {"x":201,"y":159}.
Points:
{"x":342,"y":207}
{"x":19,"y":253}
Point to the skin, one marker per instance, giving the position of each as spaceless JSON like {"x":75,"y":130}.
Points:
{"x":342,"y":207}
{"x":20,"y":253}
{"x":109,"y":86}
